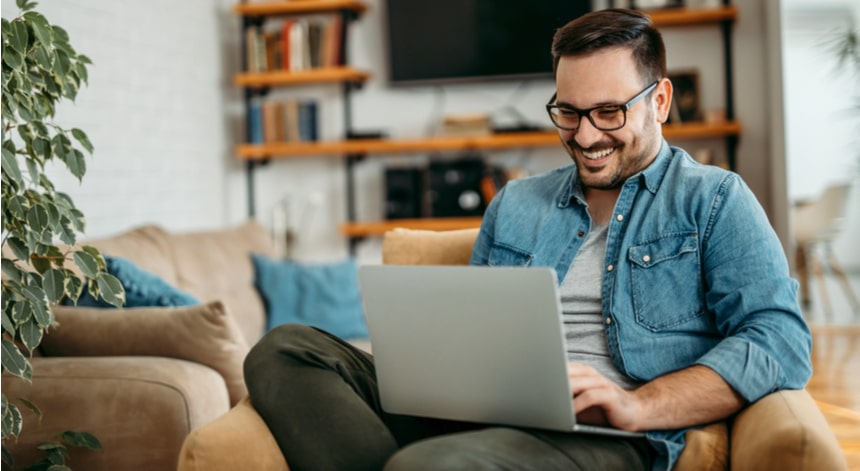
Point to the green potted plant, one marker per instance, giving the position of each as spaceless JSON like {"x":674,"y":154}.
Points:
{"x":41,"y":224}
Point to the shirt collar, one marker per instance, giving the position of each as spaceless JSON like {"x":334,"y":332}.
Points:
{"x":651,"y":177}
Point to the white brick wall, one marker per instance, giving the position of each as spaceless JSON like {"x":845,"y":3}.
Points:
{"x":155,"y":110}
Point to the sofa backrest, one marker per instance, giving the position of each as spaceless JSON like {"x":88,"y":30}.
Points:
{"x":212,"y":265}
{"x":420,"y":247}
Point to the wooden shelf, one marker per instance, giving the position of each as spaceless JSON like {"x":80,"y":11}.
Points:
{"x":373,"y":228}
{"x":442,"y":143}
{"x":692,"y":16}
{"x":303,"y":77}
{"x":298,"y":7}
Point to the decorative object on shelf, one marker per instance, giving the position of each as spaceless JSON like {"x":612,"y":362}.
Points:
{"x":685,"y":98}
{"x":40,"y":69}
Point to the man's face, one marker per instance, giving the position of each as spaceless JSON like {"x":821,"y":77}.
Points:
{"x":605,"y":159}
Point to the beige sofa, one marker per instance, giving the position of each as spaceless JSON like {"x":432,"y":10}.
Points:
{"x":142,"y":379}
{"x":145,"y":381}
{"x":784,"y":431}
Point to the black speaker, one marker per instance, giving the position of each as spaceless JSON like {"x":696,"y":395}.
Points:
{"x":455,"y":188}
{"x":404,"y":193}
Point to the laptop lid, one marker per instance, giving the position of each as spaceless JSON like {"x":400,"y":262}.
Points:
{"x":481,"y":344}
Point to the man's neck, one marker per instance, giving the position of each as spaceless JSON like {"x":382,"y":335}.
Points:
{"x":601,"y":203}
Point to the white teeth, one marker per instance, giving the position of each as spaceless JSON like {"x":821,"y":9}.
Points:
{"x":599,"y":154}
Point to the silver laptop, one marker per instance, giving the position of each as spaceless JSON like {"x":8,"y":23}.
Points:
{"x":477,"y":344}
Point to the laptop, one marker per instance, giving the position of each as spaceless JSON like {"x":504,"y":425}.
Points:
{"x":469,"y":343}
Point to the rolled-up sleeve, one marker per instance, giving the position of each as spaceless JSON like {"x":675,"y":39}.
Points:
{"x":767,"y":344}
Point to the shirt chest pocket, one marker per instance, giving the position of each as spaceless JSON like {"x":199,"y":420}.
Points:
{"x":666,"y":282}
{"x":506,"y":256}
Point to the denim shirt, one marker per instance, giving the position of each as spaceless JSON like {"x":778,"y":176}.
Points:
{"x":694,"y":274}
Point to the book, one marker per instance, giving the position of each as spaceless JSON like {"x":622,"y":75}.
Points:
{"x":255,"y":122}
{"x":308,"y":125}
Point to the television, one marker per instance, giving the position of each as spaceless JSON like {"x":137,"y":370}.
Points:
{"x":442,"y":41}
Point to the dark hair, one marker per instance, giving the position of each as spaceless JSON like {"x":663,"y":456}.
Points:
{"x":614,"y":27}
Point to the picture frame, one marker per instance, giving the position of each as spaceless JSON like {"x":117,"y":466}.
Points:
{"x":686,"y":102}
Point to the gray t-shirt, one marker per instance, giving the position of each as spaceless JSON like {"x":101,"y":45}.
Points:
{"x":582,"y":309}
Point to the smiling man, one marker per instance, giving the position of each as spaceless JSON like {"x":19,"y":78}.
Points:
{"x":677,"y":302}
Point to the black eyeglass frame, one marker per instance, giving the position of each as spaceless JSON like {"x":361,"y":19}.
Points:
{"x":550,"y":106}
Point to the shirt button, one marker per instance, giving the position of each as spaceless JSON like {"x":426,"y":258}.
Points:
{"x":580,"y":233}
{"x":646,"y":258}
{"x":608,"y":321}
{"x":620,"y":217}
{"x":610,"y":268}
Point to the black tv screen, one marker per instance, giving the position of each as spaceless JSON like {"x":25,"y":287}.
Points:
{"x":461,"y":40}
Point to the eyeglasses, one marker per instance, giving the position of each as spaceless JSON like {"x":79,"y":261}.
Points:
{"x":604,"y":117}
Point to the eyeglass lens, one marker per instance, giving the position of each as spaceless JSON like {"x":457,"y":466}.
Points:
{"x":606,"y":118}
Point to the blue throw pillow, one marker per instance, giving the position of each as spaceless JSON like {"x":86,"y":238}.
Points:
{"x":325,"y":296}
{"x":142,"y":288}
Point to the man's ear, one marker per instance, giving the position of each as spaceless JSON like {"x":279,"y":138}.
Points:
{"x":663,"y":99}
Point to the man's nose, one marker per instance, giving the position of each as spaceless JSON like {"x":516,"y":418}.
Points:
{"x":587,"y":135}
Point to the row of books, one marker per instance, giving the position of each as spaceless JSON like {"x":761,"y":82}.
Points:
{"x":289,"y":120}
{"x":297,"y":44}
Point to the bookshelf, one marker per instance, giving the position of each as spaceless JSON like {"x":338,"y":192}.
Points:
{"x":354,"y":150}
{"x":430,"y":144}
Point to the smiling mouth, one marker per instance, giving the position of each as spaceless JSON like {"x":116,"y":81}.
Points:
{"x":597,"y":155}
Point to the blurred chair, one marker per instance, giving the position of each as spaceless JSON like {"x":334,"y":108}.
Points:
{"x":815,"y":224}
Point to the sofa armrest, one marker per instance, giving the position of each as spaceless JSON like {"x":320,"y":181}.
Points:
{"x":238,"y":440}
{"x":784,"y":430}
{"x":139,"y":408}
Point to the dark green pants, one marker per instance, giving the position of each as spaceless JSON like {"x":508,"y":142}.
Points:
{"x":319,"y":397}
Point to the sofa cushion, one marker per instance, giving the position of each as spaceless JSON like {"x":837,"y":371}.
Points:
{"x":216,"y":266}
{"x":142,"y":288}
{"x":325,"y":296}
{"x":204,"y":334}
{"x":420,"y":247}
{"x":239,"y":439}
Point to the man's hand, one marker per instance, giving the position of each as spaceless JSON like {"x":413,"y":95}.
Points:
{"x":599,"y":401}
{"x":692,"y":396}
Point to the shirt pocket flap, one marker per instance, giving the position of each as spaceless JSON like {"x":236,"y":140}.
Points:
{"x":665,"y":248}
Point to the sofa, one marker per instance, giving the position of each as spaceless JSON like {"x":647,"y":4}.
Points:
{"x":141,"y":379}
{"x":162,"y":388}
{"x":784,"y":430}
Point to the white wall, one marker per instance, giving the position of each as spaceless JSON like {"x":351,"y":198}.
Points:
{"x":154,"y":110}
{"x":164,"y":117}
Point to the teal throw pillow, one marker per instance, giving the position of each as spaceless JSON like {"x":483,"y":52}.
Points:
{"x":325,"y":296}
{"x":142,"y":288}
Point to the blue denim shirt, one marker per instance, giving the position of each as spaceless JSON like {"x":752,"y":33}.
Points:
{"x":694,"y":274}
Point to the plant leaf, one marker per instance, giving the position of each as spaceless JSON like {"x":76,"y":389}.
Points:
{"x":10,"y":167}
{"x":83,"y":139}
{"x":53,"y":283}
{"x":8,"y":327}
{"x":37,"y":218}
{"x":33,"y":407}
{"x":41,"y":28}
{"x":30,"y":333}
{"x":14,"y":362}
{"x":81,"y":439}
{"x":11,"y":419}
{"x":19,"y":248}
{"x":88,"y":264}
{"x":111,"y":289}
{"x":19,"y":37}
{"x":77,"y":163}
